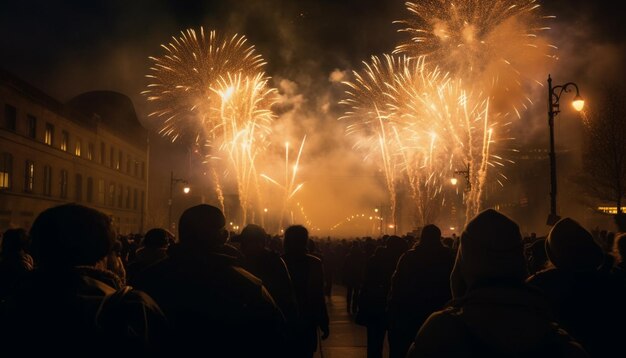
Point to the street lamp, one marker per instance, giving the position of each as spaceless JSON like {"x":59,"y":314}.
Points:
{"x":186,"y":190}
{"x":554,"y":95}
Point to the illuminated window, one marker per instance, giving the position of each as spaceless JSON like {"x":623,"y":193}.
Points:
{"x":48,"y":137}
{"x":112,"y":194}
{"x":77,"y":149}
{"x":6,"y":170}
{"x":120,"y":158}
{"x":29,"y":176}
{"x":90,"y":151}
{"x":65,"y":138}
{"x":47,"y":180}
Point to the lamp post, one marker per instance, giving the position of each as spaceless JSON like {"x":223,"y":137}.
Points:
{"x":554,"y":95}
{"x":186,"y":190}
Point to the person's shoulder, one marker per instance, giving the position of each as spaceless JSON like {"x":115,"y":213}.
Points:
{"x":441,"y":334}
{"x":314,"y":259}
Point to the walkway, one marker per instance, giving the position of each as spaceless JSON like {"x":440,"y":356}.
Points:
{"x":347,"y":339}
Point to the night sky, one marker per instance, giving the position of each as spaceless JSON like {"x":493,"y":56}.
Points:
{"x":69,"y":47}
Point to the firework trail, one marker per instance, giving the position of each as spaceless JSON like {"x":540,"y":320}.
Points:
{"x":290,"y":186}
{"x":371,"y":118}
{"x":244,"y":130}
{"x":424,"y":125}
{"x":497,"y":44}
{"x":210,"y":89}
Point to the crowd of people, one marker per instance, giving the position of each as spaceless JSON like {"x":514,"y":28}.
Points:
{"x":71,"y":286}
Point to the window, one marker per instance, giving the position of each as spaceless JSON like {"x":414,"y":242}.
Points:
{"x":48,"y":137}
{"x":47,"y":180}
{"x":128,"y":164}
{"x":135,"y":198}
{"x":10,"y":117}
{"x":112,"y":158}
{"x":65,"y":138}
{"x":78,"y":187}
{"x":90,"y":151}
{"x":102,"y":153}
{"x":101,"y":191}
{"x":120,"y":197}
{"x":77,"y":148}
{"x":90,"y":190}
{"x":29,"y":176}
{"x":6,"y":170}
{"x":63,"y":183}
{"x":127,"y":197}
{"x":136,"y":169}
{"x":143,"y":201}
{"x":143,"y":170}
{"x":32,"y":126}
{"x":120,"y":158}
{"x":112,"y":194}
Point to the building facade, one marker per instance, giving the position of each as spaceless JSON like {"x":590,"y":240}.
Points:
{"x":91,"y":150}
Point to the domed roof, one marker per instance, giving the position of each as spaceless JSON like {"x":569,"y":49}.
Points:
{"x":112,"y":109}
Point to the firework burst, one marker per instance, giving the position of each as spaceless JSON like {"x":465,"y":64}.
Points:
{"x":423,"y":125}
{"x":184,"y":76}
{"x":498,"y":45}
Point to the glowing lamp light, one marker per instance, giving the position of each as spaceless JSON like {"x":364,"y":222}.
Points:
{"x":454,"y":181}
{"x":186,"y":190}
{"x":578,"y":103}
{"x":391,"y":226}
{"x":265,"y":210}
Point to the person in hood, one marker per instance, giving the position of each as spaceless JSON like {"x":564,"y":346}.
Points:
{"x":419,"y":287}
{"x":493,"y":312}
{"x":588,"y":302}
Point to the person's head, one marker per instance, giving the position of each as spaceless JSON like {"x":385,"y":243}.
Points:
{"x":431,"y":235}
{"x":71,"y":235}
{"x":296,"y":238}
{"x":571,"y":247}
{"x":157,"y":239}
{"x":490,"y":251}
{"x":252,"y":238}
{"x":14,"y":241}
{"x":202,"y":226}
{"x":396,"y":245}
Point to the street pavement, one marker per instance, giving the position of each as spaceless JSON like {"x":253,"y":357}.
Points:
{"x":347,"y":339}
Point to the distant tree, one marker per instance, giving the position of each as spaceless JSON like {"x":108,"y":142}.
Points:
{"x":604,"y":156}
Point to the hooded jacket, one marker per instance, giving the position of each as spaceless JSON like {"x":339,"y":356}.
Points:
{"x":587,"y":302}
{"x":493,"y":314}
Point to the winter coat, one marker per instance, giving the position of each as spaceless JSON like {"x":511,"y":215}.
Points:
{"x":499,"y":320}
{"x":79,"y":312}
{"x":213,"y":306}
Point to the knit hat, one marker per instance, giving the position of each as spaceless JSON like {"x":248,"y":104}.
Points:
{"x":571,"y":247}
{"x":491,"y":249}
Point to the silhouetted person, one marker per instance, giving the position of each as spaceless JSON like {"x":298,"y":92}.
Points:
{"x":215,"y":308}
{"x":493,"y":314}
{"x":153,"y":250}
{"x":307,"y":276}
{"x":420,"y":286}
{"x":588,"y":303}
{"x":69,"y":306}
{"x":114,"y":262}
{"x":619,"y":252}
{"x":15,"y":263}
{"x":353,"y":272}
{"x":373,"y":299}
{"x":537,"y":258}
{"x":270,"y":268}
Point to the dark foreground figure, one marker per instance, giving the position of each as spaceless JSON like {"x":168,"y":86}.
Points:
{"x":494,"y":313}
{"x":69,"y":305}
{"x":214,"y":307}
